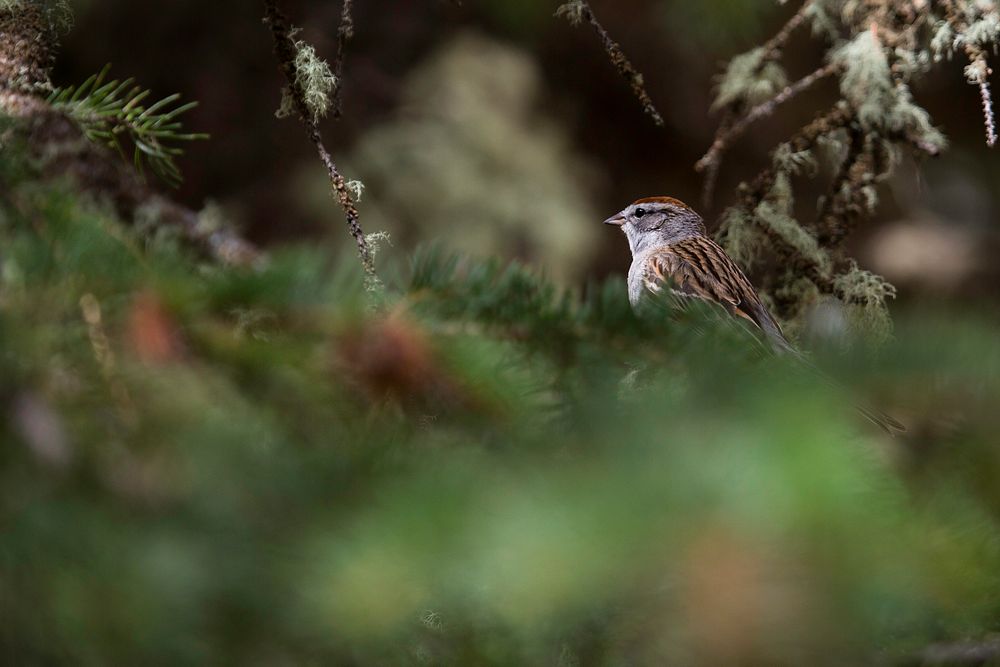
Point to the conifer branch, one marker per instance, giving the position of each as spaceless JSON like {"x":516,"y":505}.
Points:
{"x":577,"y":11}
{"x":106,"y":111}
{"x":287,"y":51}
{"x":61,"y":149}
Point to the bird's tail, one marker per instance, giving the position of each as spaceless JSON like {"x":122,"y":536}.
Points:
{"x":882,"y":420}
{"x":888,"y":424}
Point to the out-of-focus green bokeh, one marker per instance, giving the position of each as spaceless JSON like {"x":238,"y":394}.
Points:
{"x":500,"y":463}
{"x":206,"y":465}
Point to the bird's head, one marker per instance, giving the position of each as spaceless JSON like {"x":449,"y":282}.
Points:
{"x":656,"y":221}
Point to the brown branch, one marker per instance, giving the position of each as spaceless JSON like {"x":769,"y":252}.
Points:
{"x":727,"y":135}
{"x":711,"y":162}
{"x":579,"y":10}
{"x":774,"y":46}
{"x":712,"y":169}
{"x":284,"y":48}
{"x":344,"y":33}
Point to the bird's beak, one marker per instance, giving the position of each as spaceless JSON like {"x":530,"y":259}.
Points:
{"x":618,"y":219}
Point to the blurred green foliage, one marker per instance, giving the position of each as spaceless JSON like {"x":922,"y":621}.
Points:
{"x":208,"y":465}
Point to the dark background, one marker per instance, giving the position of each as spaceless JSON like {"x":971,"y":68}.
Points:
{"x":934,"y":236}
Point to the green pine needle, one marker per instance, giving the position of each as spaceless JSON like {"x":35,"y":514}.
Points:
{"x":109,"y":111}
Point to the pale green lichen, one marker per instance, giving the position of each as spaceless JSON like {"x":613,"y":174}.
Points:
{"x":977,"y":71}
{"x":866,"y":81}
{"x":795,"y":162}
{"x":58,"y":12}
{"x":572,"y":11}
{"x":883,"y":103}
{"x":984,"y":33}
{"x":907,"y":62}
{"x":907,"y":116}
{"x":742,"y":240}
{"x":775,"y":214}
{"x":943,"y":41}
{"x":375,"y":240}
{"x":822,"y":20}
{"x":798,"y":290}
{"x":831,"y":148}
{"x":357,"y":189}
{"x":865,"y":295}
{"x":750,"y":78}
{"x":314,"y":80}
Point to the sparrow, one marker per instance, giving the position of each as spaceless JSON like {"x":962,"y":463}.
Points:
{"x":672,"y":252}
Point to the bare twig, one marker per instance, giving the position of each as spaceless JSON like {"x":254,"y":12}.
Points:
{"x":774,"y":46}
{"x":284,"y":47}
{"x":727,"y":135}
{"x":344,"y":33}
{"x":579,"y":10}
{"x":712,"y":169}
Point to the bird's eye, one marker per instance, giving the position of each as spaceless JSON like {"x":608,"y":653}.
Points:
{"x":639,"y":212}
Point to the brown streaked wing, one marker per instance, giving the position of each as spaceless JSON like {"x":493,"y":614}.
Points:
{"x":699,"y":267}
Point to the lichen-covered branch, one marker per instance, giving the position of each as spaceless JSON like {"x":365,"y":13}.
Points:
{"x":975,"y":29}
{"x":774,"y":46}
{"x":287,"y":51}
{"x":876,"y":49}
{"x":733,"y":131}
{"x":753,"y":79}
{"x":27,"y":52}
{"x":577,"y":11}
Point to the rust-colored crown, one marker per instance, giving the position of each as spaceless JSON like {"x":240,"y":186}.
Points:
{"x":663,"y":200}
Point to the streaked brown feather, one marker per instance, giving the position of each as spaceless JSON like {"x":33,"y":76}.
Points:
{"x":699,"y":267}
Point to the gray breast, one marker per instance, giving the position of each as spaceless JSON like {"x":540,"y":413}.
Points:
{"x":637,"y":279}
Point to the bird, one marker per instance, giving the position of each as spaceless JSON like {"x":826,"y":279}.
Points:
{"x":672,"y":252}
